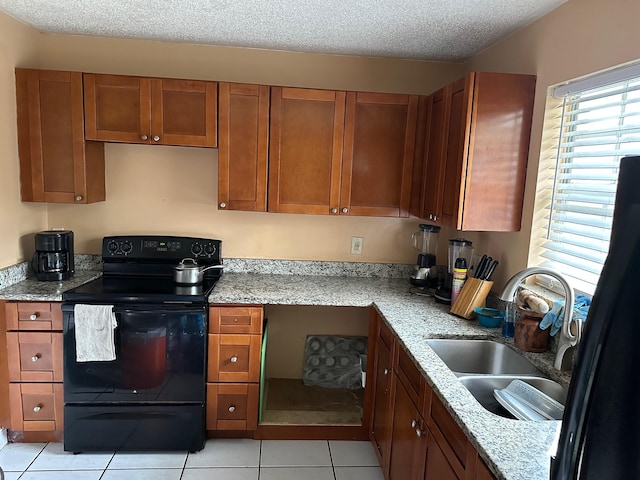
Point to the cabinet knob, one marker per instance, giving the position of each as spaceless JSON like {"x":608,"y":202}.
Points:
{"x":386,"y":371}
{"x":431,"y":216}
{"x":36,"y":357}
{"x":232,"y":408}
{"x":235,"y":320}
{"x":223,"y":205}
{"x":414,"y":424}
{"x":234,"y":359}
{"x":418,"y":432}
{"x":435,"y":217}
{"x":78,"y":198}
{"x":334,"y":210}
{"x":33,"y":316}
{"x":37,"y":408}
{"x":144,"y":137}
{"x":345,"y":210}
{"x":156,"y":138}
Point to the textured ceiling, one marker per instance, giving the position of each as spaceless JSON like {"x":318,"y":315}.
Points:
{"x":450,"y":30}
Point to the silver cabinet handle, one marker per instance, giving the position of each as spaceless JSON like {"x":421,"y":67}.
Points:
{"x":37,"y":408}
{"x":431,"y":216}
{"x":386,"y":371}
{"x":234,"y":359}
{"x":36,"y":357}
{"x":78,"y":198}
{"x":232,"y":408}
{"x":33,"y":316}
{"x":223,"y":205}
{"x":418,"y":432}
{"x":414,"y":424}
{"x":156,"y":138}
{"x":334,"y":210}
{"x":345,"y":210}
{"x":143,"y":137}
{"x":435,"y":217}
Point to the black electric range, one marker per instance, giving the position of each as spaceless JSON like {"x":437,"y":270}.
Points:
{"x":149,"y":395}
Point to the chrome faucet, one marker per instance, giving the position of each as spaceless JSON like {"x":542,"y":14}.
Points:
{"x":567,"y":338}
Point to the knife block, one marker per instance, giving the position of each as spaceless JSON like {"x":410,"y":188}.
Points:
{"x":473,"y":295}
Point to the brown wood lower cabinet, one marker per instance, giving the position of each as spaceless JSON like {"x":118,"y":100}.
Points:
{"x":234,"y":367}
{"x":34,"y":361}
{"x":414,"y":435}
{"x":408,"y":438}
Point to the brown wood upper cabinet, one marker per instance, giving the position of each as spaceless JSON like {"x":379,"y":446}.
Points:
{"x":478,"y":150}
{"x":56,"y":164}
{"x":150,"y":110}
{"x":341,"y":153}
{"x":379,"y":141}
{"x":243,"y":149}
{"x":305,"y":150}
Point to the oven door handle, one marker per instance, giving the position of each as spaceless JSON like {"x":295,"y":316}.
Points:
{"x":158,"y":310}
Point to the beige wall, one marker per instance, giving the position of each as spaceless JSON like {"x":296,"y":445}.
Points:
{"x":18,"y":46}
{"x":580,"y":37}
{"x":174,"y":190}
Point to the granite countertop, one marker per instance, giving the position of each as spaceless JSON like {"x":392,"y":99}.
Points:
{"x":513,"y":449}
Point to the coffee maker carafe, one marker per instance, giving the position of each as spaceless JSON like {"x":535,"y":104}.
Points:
{"x":459,"y":249}
{"x":53,"y":257}
{"x":425,"y":241}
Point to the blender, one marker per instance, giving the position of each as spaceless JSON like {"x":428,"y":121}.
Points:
{"x":460,"y":250}
{"x":425,"y":241}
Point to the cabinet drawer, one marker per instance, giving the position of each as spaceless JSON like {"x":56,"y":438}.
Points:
{"x":385,"y":333}
{"x":232,"y":406}
{"x":33,"y":316}
{"x":36,"y":406}
{"x":234,"y":358}
{"x":410,"y":377}
{"x":34,"y":356}
{"x":235,"y":320}
{"x":450,"y":436}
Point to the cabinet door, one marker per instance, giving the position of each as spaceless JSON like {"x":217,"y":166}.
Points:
{"x":56,"y":165}
{"x":242,"y":155}
{"x":408,"y":439}
{"x":305,"y":150}
{"x":457,"y":147}
{"x":117,"y":108}
{"x":381,"y":422}
{"x":433,"y":176}
{"x":184,"y":112}
{"x":437,"y":467}
{"x":379,"y":142}
{"x":482,"y":471}
{"x":36,"y":406}
{"x":34,"y":356}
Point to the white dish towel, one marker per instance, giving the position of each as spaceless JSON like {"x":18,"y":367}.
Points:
{"x":94,"y":329}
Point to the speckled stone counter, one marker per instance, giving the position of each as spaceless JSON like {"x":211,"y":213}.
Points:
{"x":32,"y":290}
{"x":513,"y":449}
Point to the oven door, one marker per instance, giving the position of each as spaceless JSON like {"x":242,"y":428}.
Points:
{"x":160,"y":357}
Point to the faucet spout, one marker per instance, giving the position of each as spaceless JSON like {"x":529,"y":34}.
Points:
{"x":567,"y":337}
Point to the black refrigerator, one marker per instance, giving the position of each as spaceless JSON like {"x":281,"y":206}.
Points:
{"x":600,"y":434}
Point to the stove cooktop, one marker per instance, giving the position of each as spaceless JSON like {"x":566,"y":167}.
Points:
{"x":111,"y":290}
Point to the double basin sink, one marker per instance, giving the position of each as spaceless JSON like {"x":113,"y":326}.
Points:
{"x":485,"y":365}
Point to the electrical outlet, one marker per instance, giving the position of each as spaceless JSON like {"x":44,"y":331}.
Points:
{"x":356,"y":245}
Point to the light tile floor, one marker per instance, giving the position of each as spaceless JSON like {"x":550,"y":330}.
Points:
{"x":221,"y":459}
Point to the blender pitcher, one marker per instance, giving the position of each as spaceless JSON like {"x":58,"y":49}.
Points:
{"x":459,"y":248}
{"x":425,"y":241}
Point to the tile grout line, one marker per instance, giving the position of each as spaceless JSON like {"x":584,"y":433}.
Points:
{"x":260,"y":460}
{"x":333,"y":467}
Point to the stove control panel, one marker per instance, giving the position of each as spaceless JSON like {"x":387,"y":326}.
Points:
{"x":164,"y":248}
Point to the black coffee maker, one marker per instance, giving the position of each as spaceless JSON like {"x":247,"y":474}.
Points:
{"x":53,"y":258}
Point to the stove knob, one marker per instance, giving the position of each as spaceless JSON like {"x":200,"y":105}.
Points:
{"x":112,"y":247}
{"x":127,"y":247}
{"x":196,"y":249}
{"x":209,"y":249}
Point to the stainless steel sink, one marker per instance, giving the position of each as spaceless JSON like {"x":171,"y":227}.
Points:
{"x":487,"y":357}
{"x":482,"y":386}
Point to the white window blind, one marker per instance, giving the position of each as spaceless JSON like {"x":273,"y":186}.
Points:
{"x":597,"y":127}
